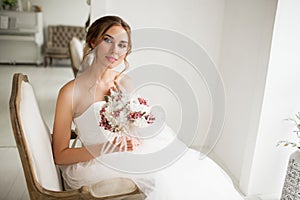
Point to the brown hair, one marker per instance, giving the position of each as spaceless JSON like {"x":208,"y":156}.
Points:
{"x":99,"y":27}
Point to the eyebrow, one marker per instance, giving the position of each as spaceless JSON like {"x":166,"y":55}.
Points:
{"x":123,"y":41}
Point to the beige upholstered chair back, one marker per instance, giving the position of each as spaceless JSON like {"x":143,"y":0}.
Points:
{"x":76,"y":54}
{"x":33,"y":136}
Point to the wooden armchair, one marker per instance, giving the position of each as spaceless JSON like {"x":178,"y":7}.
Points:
{"x":58,"y":38}
{"x":33,"y":140}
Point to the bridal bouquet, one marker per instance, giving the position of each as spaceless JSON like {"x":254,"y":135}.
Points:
{"x":120,"y":114}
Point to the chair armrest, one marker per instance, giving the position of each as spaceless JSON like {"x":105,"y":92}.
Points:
{"x":114,"y":187}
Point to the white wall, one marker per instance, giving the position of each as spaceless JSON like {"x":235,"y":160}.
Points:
{"x":199,"y":19}
{"x":243,"y":63}
{"x":281,"y":101}
{"x":63,"y":12}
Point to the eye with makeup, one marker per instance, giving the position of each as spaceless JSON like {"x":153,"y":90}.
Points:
{"x":107,"y":40}
{"x":122,"y":45}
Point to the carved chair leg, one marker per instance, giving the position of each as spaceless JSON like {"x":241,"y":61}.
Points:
{"x":45,"y":61}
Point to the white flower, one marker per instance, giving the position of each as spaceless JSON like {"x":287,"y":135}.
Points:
{"x":135,"y":106}
{"x":120,"y":113}
{"x":140,"y":122}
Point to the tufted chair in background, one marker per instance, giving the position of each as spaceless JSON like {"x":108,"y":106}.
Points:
{"x":58,"y":39}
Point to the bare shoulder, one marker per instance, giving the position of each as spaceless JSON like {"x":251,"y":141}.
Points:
{"x":126,"y":82}
{"x":66,"y":91}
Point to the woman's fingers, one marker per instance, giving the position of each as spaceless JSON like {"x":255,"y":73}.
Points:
{"x":127,"y":145}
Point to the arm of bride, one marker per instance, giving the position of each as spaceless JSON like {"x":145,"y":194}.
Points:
{"x":62,"y":130}
{"x":63,"y":154}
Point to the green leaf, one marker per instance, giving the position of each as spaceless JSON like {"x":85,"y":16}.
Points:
{"x":106,"y":98}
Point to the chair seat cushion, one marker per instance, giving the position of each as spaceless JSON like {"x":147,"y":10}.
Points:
{"x":111,"y":187}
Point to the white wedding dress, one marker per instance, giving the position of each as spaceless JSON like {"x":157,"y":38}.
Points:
{"x":188,"y":178}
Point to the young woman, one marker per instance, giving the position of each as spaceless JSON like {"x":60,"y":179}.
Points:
{"x":108,"y":42}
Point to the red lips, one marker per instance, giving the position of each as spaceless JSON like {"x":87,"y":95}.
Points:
{"x":111,"y":59}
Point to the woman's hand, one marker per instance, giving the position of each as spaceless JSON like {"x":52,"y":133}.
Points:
{"x":129,"y":144}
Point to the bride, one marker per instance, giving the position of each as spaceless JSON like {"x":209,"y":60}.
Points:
{"x":108,"y":42}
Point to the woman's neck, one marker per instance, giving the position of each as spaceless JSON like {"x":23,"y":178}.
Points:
{"x":102,"y":73}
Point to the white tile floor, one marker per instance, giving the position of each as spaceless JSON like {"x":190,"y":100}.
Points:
{"x":46,"y":83}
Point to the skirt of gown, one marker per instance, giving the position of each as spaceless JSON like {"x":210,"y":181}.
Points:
{"x":188,"y":178}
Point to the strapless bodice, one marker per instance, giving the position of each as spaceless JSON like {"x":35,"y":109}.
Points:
{"x":87,"y":125}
